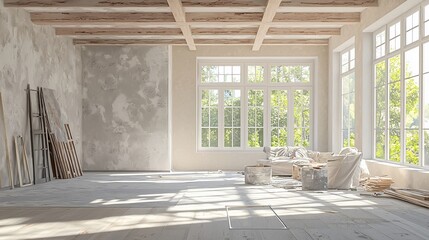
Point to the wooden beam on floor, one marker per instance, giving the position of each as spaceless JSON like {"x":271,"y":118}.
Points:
{"x":180,"y":17}
{"x":304,"y":31}
{"x":270,"y":12}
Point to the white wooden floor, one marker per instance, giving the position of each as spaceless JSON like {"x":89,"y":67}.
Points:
{"x":192,"y":206}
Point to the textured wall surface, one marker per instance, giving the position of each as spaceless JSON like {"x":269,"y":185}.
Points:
{"x":125,"y":108}
{"x":33,"y":54}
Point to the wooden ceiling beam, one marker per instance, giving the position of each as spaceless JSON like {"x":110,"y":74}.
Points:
{"x":117,"y":31}
{"x":304,"y":31}
{"x":224,"y":17}
{"x":224,"y":31}
{"x":329,"y":3}
{"x":99,"y":18}
{"x":197,"y":41}
{"x":317,"y":17}
{"x":186,"y":3}
{"x":128,"y":41}
{"x":270,"y":12}
{"x":180,"y":17}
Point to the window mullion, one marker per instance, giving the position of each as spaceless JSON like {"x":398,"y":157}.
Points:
{"x":421,"y":102}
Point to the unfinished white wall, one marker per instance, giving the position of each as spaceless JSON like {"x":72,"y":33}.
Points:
{"x":184,"y":105}
{"x":125,"y":108}
{"x":33,"y":54}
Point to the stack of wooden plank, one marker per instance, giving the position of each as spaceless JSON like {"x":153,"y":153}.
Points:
{"x":377,"y":184}
{"x":414,"y":196}
{"x":64,"y":157}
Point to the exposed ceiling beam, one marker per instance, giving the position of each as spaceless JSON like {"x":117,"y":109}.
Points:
{"x":180,"y":17}
{"x":270,"y":12}
{"x":317,"y":17}
{"x":330,"y":3}
{"x":140,"y":19}
{"x":197,"y":41}
{"x":118,"y":31}
{"x":128,"y":41}
{"x":186,"y":3}
{"x":99,"y":18}
{"x":224,"y":31}
{"x":304,"y":31}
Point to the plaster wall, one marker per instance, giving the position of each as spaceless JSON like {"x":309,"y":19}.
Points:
{"x":33,"y":54}
{"x":125,"y":108}
{"x":184,"y":119}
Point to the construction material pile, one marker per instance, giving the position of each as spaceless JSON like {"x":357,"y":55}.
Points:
{"x":414,"y":196}
{"x":377,"y":184}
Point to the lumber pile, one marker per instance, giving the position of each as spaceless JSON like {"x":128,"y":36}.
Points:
{"x":64,"y":157}
{"x":377,"y":184}
{"x":414,"y":196}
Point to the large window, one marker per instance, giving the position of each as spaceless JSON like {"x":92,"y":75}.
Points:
{"x":348,"y":97}
{"x":254,"y":103}
{"x":401,"y":87}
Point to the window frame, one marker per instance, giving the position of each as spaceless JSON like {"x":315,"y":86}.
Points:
{"x":245,"y":86}
{"x":404,"y":47}
{"x":341,"y":79}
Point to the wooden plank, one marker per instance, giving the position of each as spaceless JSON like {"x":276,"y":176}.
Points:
{"x":6,"y":145}
{"x":73,"y":148}
{"x":329,"y":3}
{"x":180,"y":17}
{"x":317,"y":17}
{"x":270,"y":12}
{"x":224,"y":17}
{"x":407,"y":198}
{"x":304,"y":31}
{"x":25,"y":160}
{"x":224,"y":31}
{"x":117,"y":31}
{"x":18,"y":160}
{"x":414,"y":193}
{"x":128,"y":41}
{"x":65,"y":18}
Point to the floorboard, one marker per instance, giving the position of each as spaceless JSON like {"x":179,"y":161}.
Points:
{"x":191,"y":206}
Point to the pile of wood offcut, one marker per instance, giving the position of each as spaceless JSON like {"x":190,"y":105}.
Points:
{"x":414,"y":196}
{"x":377,"y":184}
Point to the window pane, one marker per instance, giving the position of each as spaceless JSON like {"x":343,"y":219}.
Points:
{"x":426,"y":101}
{"x":255,"y":118}
{"x":279,"y":115}
{"x":394,"y":35}
{"x":426,"y":147}
{"x":255,"y":74}
{"x":380,"y":144}
{"x":301,"y":117}
{"x":395,"y":68}
{"x":394,"y":145}
{"x":209,"y":118}
{"x":412,"y":63}
{"x":380,"y":73}
{"x":213,"y":137}
{"x":412,"y":103}
{"x":426,"y":58}
{"x":394,"y":105}
{"x":412,"y":27}
{"x":380,"y":107}
{"x":280,"y":74}
{"x":215,"y":74}
{"x":380,"y":38}
{"x":412,"y":147}
{"x":232,"y":117}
